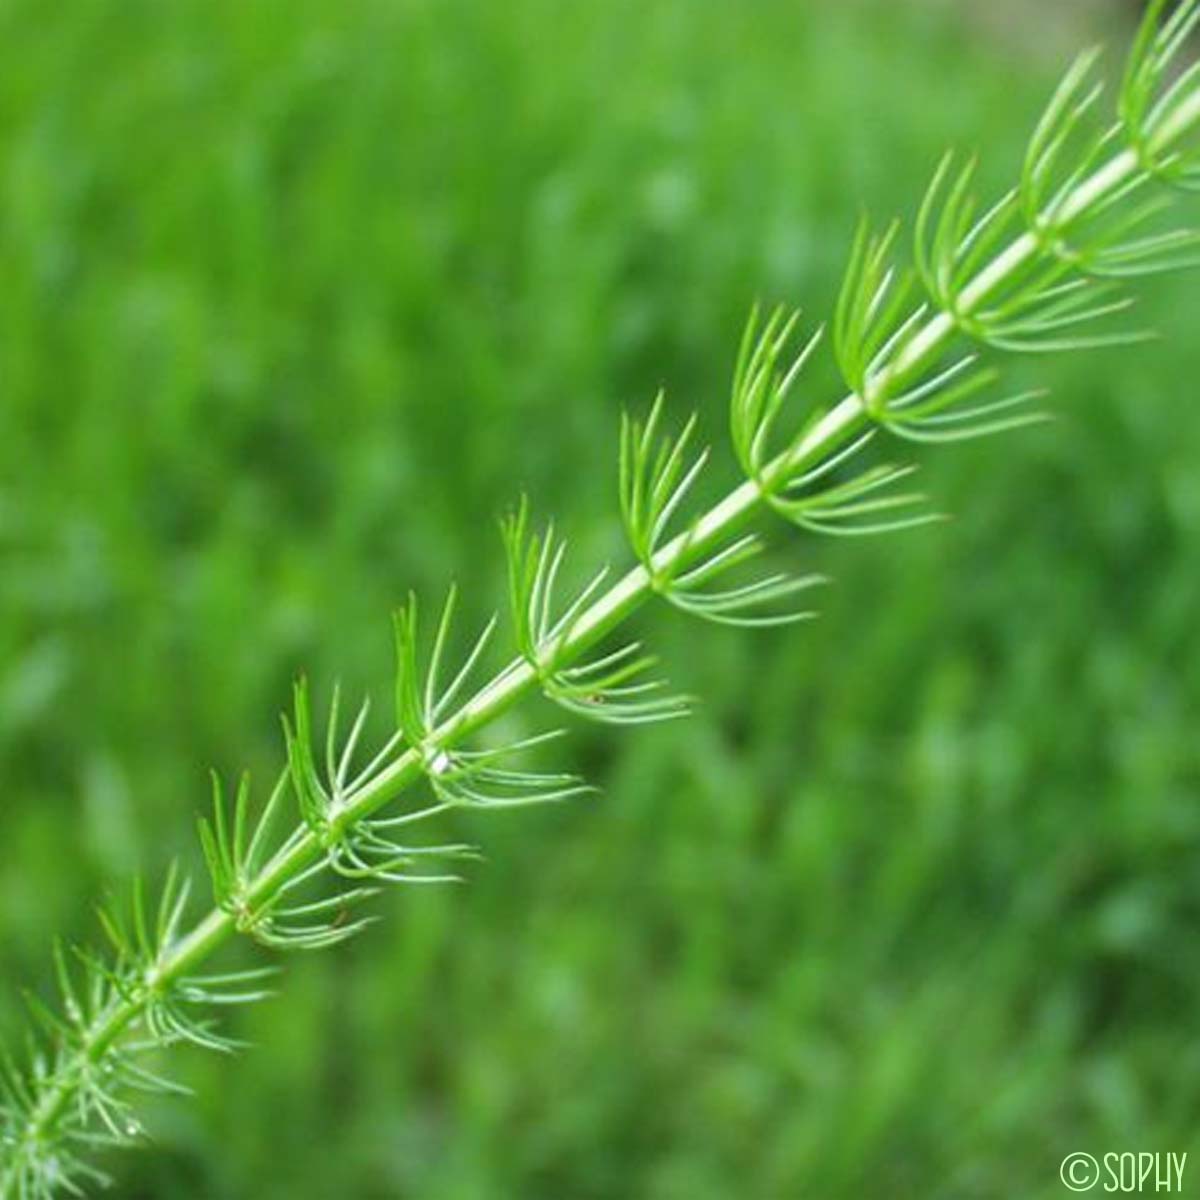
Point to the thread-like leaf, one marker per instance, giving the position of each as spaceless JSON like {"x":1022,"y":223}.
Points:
{"x":612,"y":687}
{"x":656,"y":476}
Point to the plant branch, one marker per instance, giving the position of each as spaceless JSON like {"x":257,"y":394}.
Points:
{"x":912,"y":348}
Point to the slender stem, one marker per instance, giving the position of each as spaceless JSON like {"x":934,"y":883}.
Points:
{"x":841,"y":422}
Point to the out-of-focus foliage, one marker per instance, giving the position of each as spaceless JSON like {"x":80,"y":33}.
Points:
{"x":297,"y":297}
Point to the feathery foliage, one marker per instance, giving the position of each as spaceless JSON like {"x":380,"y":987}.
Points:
{"x":1039,"y":270}
{"x":655,"y":479}
{"x":610,"y":687}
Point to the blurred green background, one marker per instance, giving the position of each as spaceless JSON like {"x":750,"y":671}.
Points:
{"x":296,"y":298}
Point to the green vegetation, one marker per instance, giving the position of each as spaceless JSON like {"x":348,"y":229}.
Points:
{"x":795,"y":993}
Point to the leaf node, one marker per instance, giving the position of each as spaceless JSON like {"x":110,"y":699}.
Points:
{"x":612,"y":687}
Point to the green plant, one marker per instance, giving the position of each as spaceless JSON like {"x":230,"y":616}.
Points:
{"x":1084,"y":221}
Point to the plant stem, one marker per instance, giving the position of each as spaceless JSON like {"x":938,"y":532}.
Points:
{"x":513,"y":684}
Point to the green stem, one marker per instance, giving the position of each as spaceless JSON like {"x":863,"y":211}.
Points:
{"x":842,"y":422}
